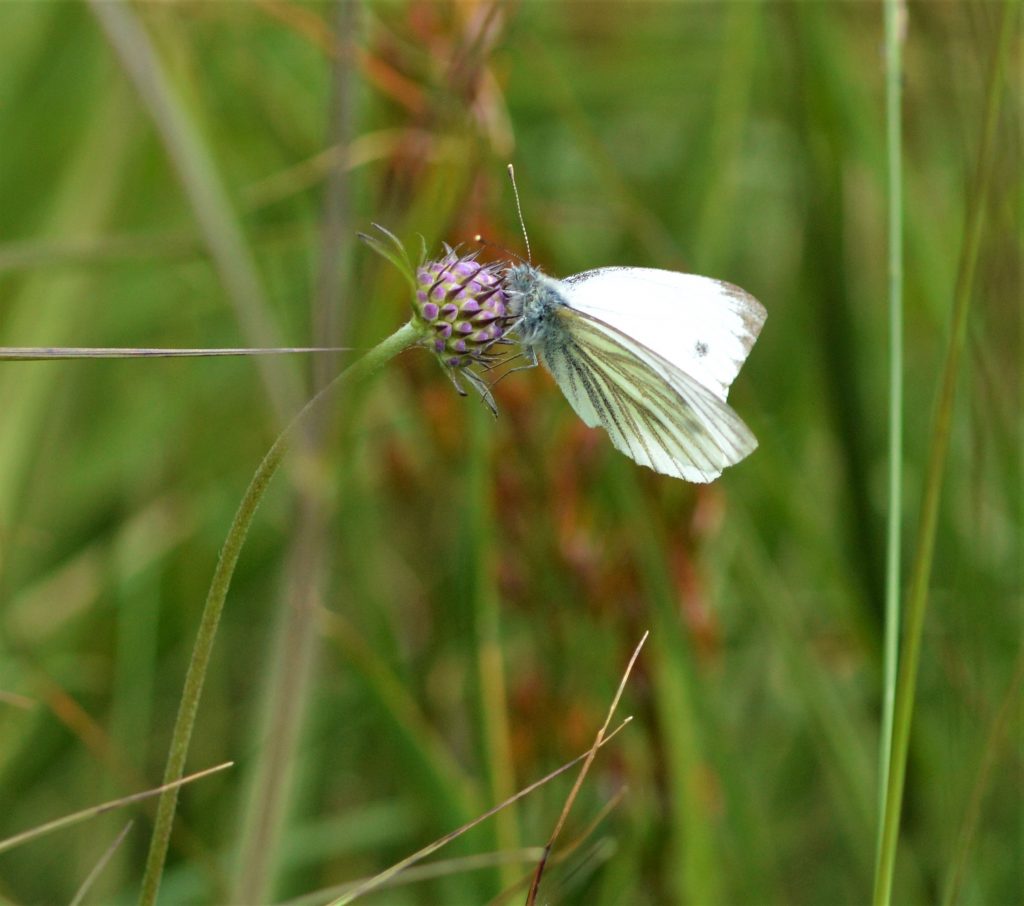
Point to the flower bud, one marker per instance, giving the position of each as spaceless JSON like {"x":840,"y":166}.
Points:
{"x":459,"y":306}
{"x":463,"y":307}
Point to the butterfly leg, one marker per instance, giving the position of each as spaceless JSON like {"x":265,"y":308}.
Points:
{"x":476,"y":382}
{"x":530,"y":354}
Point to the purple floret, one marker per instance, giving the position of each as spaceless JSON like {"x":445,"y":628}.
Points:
{"x":464,"y":302}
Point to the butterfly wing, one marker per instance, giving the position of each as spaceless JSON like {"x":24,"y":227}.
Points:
{"x":653,"y":411}
{"x":704,"y":327}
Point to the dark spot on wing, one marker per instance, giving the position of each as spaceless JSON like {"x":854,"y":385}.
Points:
{"x":701,"y":348}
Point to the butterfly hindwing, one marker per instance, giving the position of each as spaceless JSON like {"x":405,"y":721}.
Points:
{"x":653,"y":411}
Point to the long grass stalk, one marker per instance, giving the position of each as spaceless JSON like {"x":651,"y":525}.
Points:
{"x":81,"y":199}
{"x":97,"y":869}
{"x":990,"y":752}
{"x":492,"y":692}
{"x":401,"y":339}
{"x":578,"y":785}
{"x":290,"y":684}
{"x":194,"y":163}
{"x":287,"y":689}
{"x":895,"y":34}
{"x":691,"y":847}
{"x":95,"y":811}
{"x":917,"y":594}
{"x":385,"y":876}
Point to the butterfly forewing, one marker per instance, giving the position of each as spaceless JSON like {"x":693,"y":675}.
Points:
{"x":704,"y":327}
{"x":653,"y":411}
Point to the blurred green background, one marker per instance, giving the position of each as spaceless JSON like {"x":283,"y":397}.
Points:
{"x":434,"y":608}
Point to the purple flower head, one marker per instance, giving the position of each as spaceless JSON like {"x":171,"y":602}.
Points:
{"x":461,"y":306}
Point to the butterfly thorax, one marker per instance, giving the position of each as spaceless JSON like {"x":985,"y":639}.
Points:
{"x":534,"y":300}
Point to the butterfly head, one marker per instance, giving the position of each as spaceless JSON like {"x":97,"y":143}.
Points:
{"x":533,"y":299}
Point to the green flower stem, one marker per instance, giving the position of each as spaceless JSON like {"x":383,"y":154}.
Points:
{"x":917,"y":592}
{"x":371,"y":362}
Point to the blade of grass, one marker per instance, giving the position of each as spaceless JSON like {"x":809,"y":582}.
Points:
{"x":917,"y":593}
{"x":485,"y":605}
{"x":81,"y":201}
{"x":289,"y":686}
{"x":531,"y":897}
{"x":452,"y":787}
{"x":389,"y":873}
{"x":651,"y":231}
{"x":457,"y":865}
{"x":285,"y":698}
{"x":32,"y":254}
{"x":401,"y":339}
{"x":330,"y":312}
{"x":691,"y":851}
{"x":565,"y":852}
{"x":193,"y":161}
{"x":895,"y":35}
{"x":440,"y":869}
{"x":44,"y":353}
{"x":97,"y":869}
{"x":77,"y":817}
{"x":989,"y":753}
{"x":817,"y":33}
{"x":833,"y":720}
{"x":716,"y":219}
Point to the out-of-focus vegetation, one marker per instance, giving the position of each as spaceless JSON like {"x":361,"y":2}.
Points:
{"x":478,"y":585}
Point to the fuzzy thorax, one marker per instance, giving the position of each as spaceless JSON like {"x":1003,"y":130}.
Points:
{"x":533,"y":300}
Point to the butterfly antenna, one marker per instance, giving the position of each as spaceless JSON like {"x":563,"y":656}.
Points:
{"x":493,"y":245}
{"x":519,"y":211}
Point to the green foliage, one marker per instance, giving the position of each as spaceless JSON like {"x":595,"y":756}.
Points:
{"x":469,"y":590}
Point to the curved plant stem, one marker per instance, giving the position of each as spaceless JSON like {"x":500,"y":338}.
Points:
{"x":917,"y":592}
{"x":401,"y":339}
{"x":287,"y":692}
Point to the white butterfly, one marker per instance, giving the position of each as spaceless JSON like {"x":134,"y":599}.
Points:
{"x":648,"y":355}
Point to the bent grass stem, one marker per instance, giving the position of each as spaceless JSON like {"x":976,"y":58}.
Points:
{"x":372,"y":361}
